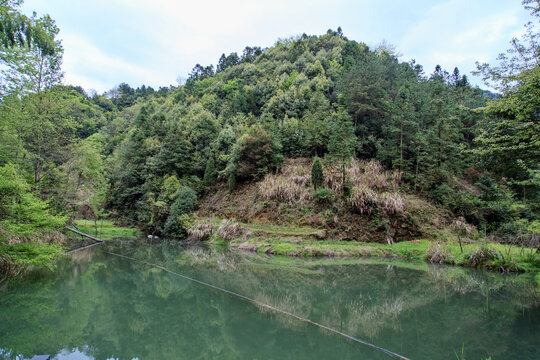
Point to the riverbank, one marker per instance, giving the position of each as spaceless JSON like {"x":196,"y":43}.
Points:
{"x":305,"y":241}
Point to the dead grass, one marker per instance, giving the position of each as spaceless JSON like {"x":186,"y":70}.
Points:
{"x":201,"y":230}
{"x":285,"y":188}
{"x":229,"y":230}
{"x":438,"y":254}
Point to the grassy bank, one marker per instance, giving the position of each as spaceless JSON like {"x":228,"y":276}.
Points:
{"x":105,"y":229}
{"x":311,"y":242}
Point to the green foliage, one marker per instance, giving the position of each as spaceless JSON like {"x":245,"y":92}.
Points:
{"x":21,"y":212}
{"x":231,"y":182}
{"x":253,"y":155}
{"x":29,"y":253}
{"x":210,"y":174}
{"x":317,"y":178}
{"x":324,"y":196}
{"x":178,"y":221}
{"x":19,"y":30}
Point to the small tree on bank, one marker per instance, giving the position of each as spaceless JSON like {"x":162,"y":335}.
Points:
{"x":210,"y":174}
{"x":317,"y":178}
{"x":232,"y":182}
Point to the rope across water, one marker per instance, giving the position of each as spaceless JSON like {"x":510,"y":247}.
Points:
{"x":261,"y":304}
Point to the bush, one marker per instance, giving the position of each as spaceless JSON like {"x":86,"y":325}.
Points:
{"x":253,"y":155}
{"x":181,"y":209}
{"x":324,"y":196}
{"x":483,"y":255}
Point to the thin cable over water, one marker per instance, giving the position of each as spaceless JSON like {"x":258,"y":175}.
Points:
{"x":261,"y":304}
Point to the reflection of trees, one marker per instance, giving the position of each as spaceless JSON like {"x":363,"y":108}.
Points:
{"x":127,"y":309}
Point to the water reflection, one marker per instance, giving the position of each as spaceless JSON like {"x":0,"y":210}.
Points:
{"x":104,"y":307}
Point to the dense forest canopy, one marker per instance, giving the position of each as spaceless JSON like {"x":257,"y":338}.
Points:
{"x":149,"y":154}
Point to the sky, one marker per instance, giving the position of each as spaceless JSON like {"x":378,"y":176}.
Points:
{"x":154,"y":42}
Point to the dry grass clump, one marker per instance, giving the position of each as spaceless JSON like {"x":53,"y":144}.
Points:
{"x":436,"y":254}
{"x":365,"y":200}
{"x":46,"y":237}
{"x":360,"y":172}
{"x":229,"y":230}
{"x":291,"y":184}
{"x":372,"y":186}
{"x":390,"y":203}
{"x":201,"y":230}
{"x":280,"y":187}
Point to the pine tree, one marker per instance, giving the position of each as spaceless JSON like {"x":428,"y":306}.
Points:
{"x":342,"y":142}
{"x":209,"y":173}
{"x":317,"y":178}
{"x":232,"y":182}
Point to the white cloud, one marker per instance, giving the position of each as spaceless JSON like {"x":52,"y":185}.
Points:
{"x":451,"y":36}
{"x":154,"y":41}
{"x":85,"y":63}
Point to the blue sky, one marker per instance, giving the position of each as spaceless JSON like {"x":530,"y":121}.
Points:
{"x":153,"y":42}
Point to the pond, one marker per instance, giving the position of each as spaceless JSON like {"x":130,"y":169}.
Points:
{"x":96,"y":305}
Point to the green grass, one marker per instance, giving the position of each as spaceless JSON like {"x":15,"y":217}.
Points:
{"x":106,"y":229}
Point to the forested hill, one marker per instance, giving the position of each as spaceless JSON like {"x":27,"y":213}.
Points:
{"x":152,"y":155}
{"x":309,"y":96}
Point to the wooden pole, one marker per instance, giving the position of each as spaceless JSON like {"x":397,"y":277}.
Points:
{"x":83,"y":234}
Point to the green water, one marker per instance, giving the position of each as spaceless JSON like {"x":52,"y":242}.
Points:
{"x":98,"y":306}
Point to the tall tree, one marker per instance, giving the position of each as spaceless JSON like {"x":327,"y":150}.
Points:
{"x":33,"y":69}
{"x":17,"y":30}
{"x":509,"y":141}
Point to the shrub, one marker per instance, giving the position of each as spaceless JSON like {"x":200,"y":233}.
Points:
{"x":482,"y":255}
{"x":324,"y":196}
{"x":181,"y":209}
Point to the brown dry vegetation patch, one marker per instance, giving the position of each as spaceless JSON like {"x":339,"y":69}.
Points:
{"x":376,"y":210}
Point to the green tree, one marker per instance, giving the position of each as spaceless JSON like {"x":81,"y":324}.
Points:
{"x":210,"y":174}
{"x":509,"y":139}
{"x":342,"y":142}
{"x":22,"y":213}
{"x":253,"y":155}
{"x":17,"y":30}
{"x":33,"y":69}
{"x":317,"y":177}
{"x":231,"y":182}
{"x":181,"y":210}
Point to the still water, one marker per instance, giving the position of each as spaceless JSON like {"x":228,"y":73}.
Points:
{"x":98,"y":306}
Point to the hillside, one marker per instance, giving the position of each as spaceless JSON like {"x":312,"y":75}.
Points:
{"x":376,"y":211}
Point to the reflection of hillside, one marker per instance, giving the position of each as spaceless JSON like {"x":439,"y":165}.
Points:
{"x":113,"y":307}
